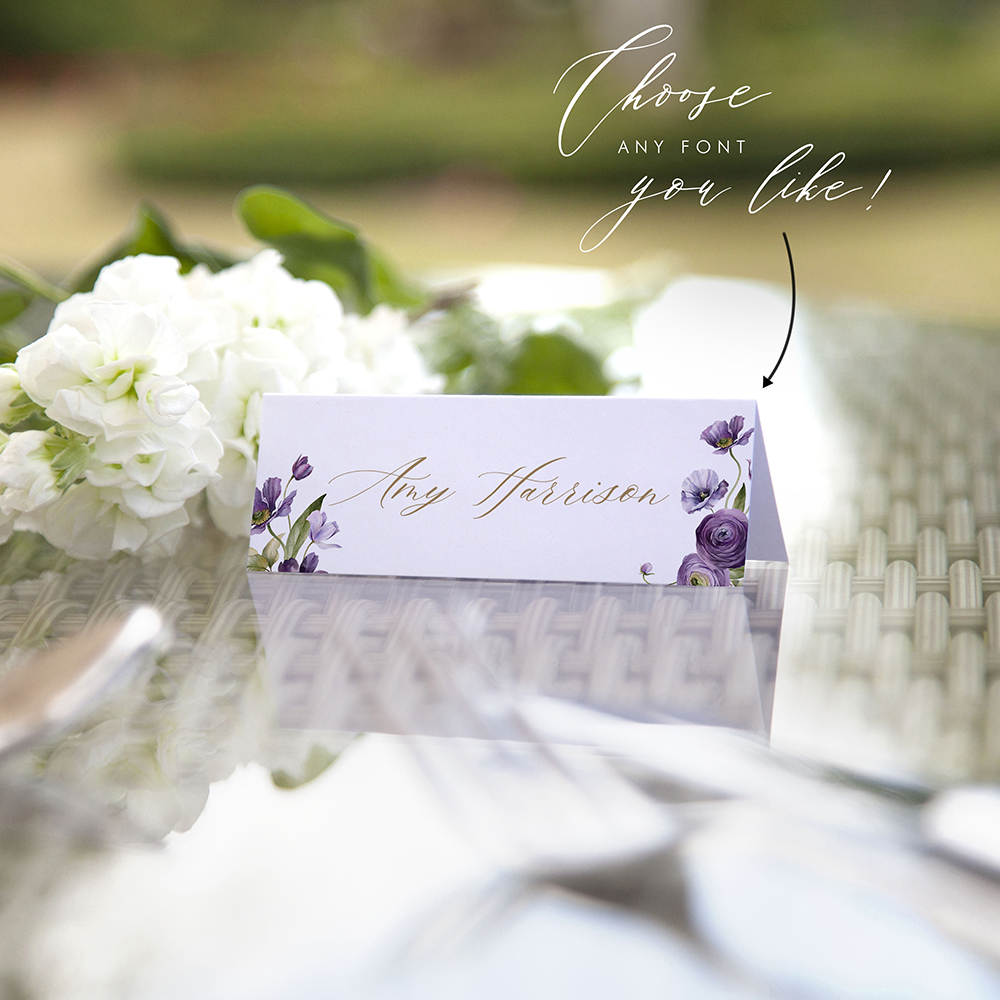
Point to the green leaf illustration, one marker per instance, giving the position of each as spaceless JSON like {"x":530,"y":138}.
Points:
{"x":740,"y":503}
{"x":300,"y":529}
{"x":272,"y":551}
{"x":257,"y":563}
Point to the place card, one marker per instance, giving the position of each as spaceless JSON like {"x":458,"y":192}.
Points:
{"x":560,"y":488}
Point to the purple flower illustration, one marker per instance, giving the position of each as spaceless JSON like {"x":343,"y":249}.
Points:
{"x":308,"y":565}
{"x":702,"y":489}
{"x":301,"y":467}
{"x":321,"y":530}
{"x":721,"y":538}
{"x":723,"y":436}
{"x":696,"y":572}
{"x":646,"y":569}
{"x":266,"y":507}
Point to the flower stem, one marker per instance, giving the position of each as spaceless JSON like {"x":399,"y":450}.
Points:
{"x":27,"y":278}
{"x":739,"y":476}
{"x":284,"y":548}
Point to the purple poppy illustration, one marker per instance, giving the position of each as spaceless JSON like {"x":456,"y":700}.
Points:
{"x":301,"y":467}
{"x":266,"y":506}
{"x":721,"y":538}
{"x":646,"y":569}
{"x":697,"y":572}
{"x":723,"y":435}
{"x":702,"y":489}
{"x":321,"y":530}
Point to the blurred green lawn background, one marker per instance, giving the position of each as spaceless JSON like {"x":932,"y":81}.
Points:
{"x":431,"y":123}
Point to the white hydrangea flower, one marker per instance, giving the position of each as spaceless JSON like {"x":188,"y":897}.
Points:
{"x":11,"y":394}
{"x":382,"y":346}
{"x":111,"y":371}
{"x":115,"y":372}
{"x":27,"y":479}
{"x":89,"y":522}
{"x":289,"y":339}
{"x":205,"y":322}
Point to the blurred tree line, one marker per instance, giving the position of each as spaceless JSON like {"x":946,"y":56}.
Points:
{"x":340,"y":91}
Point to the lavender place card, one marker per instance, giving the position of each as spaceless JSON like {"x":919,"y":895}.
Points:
{"x":588,"y":489}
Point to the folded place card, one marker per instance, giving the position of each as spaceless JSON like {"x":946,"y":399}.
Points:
{"x":590,"y":489}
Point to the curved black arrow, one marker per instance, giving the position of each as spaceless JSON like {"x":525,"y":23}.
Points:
{"x":791,"y":321}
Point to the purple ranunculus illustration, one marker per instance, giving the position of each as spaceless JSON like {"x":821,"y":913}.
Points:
{"x":721,"y":538}
{"x":696,"y":572}
{"x":301,"y":467}
{"x":723,"y":436}
{"x":266,"y":506}
{"x":702,"y":489}
{"x":321,"y":530}
{"x":289,"y":566}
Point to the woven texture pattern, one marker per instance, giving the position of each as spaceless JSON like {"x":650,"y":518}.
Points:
{"x":892,"y":641}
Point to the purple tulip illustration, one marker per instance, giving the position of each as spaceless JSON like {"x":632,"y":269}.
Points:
{"x":723,"y":436}
{"x":721,"y":538}
{"x":694,"y":571}
{"x":288,"y":566}
{"x":321,"y":530}
{"x":645,"y":570}
{"x":266,"y":506}
{"x":309,"y":563}
{"x":702,"y":489}
{"x":301,"y":467}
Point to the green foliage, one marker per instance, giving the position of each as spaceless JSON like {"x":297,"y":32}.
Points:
{"x":150,"y":233}
{"x":272,"y":552}
{"x":318,"y":760}
{"x":468,"y":348}
{"x":300,"y":529}
{"x":12,"y":304}
{"x":740,"y":503}
{"x":68,"y":457}
{"x":26,"y":555}
{"x":550,"y":364}
{"x":257,"y":563}
{"x":316,"y":246}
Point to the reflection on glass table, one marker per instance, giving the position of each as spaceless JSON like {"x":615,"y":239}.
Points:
{"x":189,"y":836}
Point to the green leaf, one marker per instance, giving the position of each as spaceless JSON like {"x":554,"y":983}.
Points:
{"x":736,"y":576}
{"x":316,"y":763}
{"x":551,"y":364}
{"x":466,"y":347}
{"x":740,"y":503}
{"x":150,"y":233}
{"x":317,"y":246}
{"x":33,"y":283}
{"x":12,"y":304}
{"x":68,"y":458}
{"x":272,"y":551}
{"x":300,"y":529}
{"x":257,"y":563}
{"x":26,"y":555}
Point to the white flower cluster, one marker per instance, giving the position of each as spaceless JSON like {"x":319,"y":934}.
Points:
{"x":152,"y":387}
